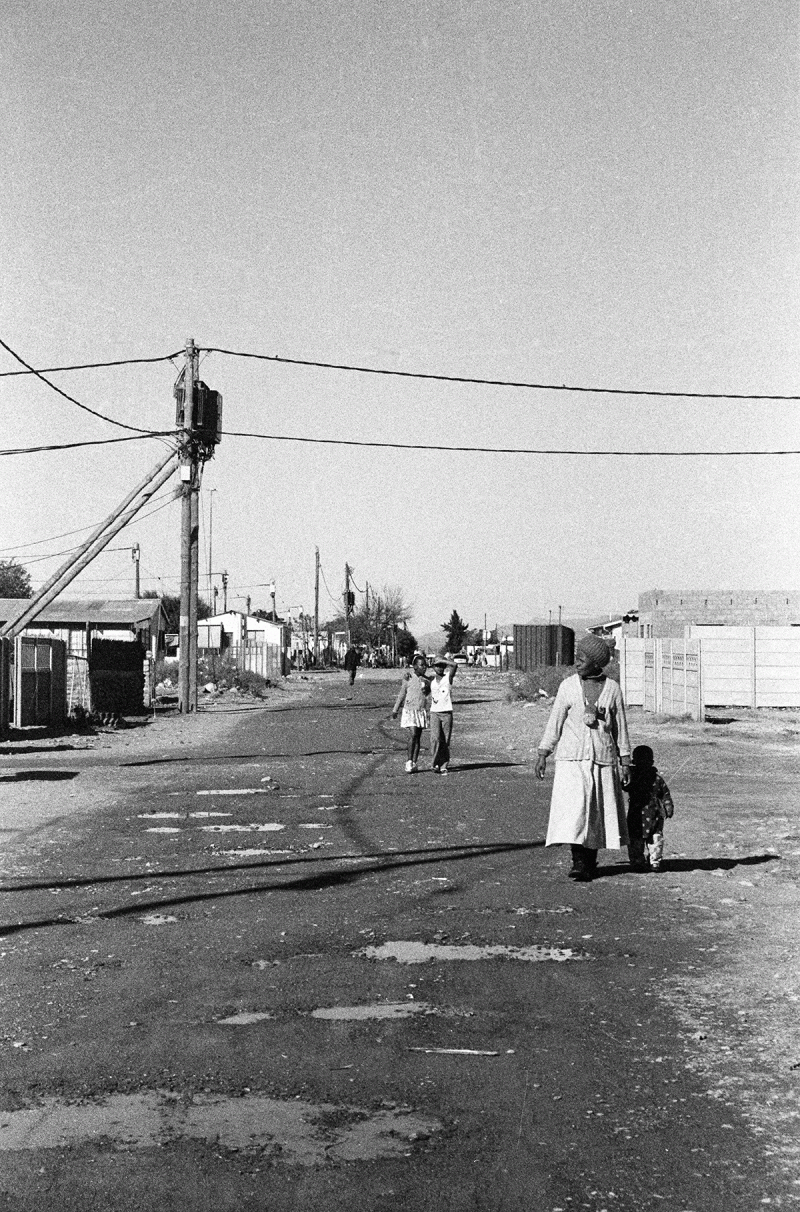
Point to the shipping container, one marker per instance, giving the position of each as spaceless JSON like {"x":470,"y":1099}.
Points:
{"x":538,"y":644}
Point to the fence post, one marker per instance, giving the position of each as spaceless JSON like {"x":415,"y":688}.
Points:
{"x":700,"y":703}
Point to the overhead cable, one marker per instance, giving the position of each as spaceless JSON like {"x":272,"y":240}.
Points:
{"x":67,"y":534}
{"x":72,"y":400}
{"x":335,"y":601}
{"x":137,"y":437}
{"x":52,"y":370}
{"x":441,"y":378}
{"x":511,"y":450}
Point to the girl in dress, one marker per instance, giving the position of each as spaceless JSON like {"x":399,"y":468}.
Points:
{"x":414,"y":698}
{"x":589,"y":733}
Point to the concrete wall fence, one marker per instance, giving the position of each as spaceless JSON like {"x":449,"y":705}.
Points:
{"x":663,"y":614}
{"x":713,"y":667}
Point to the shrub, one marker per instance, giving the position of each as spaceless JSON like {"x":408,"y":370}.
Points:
{"x":227,"y":675}
{"x":547,"y":678}
{"x":166,"y":668}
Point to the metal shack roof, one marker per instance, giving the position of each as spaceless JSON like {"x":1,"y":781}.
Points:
{"x":100,"y":612}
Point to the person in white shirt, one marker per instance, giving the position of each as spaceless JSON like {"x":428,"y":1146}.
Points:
{"x":442,"y":712}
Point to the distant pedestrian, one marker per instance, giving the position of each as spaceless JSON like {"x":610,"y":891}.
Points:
{"x":589,"y":733}
{"x":649,"y":804}
{"x":413,"y":697}
{"x":352,"y":660}
{"x":442,"y":712}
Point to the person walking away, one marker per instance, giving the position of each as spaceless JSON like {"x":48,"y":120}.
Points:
{"x":442,"y":712}
{"x":588,"y":731}
{"x":413,"y":697}
{"x":352,"y":660}
{"x":649,"y":804}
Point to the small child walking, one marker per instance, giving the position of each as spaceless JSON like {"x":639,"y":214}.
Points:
{"x":413,"y":697}
{"x":649,"y":804}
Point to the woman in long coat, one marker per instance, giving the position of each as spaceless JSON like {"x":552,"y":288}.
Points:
{"x":589,"y":733}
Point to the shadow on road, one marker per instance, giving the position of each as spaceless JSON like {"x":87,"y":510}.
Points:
{"x":370,"y":864}
{"x":264,"y":757}
{"x":481,"y":766}
{"x":679,"y":866}
{"x":41,"y":776}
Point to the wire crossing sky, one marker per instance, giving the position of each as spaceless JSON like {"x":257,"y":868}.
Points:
{"x":494,"y":193}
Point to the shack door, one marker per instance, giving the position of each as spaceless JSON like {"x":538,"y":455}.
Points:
{"x":40,"y":682}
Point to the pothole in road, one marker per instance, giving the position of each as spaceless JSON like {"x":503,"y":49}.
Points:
{"x":269,"y":827}
{"x":157,"y":919}
{"x":297,"y":1132}
{"x":240,"y":791}
{"x":245,"y":1017}
{"x":254,"y":852}
{"x":355,"y":1014}
{"x":421,"y":953}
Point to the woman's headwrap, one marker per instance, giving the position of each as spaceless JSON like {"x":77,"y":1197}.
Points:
{"x":595,"y":649}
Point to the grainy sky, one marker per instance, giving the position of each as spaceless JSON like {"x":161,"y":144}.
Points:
{"x":600,"y":194}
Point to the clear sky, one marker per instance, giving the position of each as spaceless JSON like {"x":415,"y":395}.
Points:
{"x":595,"y":194}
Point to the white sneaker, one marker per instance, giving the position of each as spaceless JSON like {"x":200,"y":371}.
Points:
{"x":443,"y":771}
{"x":409,"y":767}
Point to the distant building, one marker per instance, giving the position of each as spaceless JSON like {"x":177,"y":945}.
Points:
{"x":665,"y":613}
{"x":234,"y":628}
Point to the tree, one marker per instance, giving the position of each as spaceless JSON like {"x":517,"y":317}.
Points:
{"x":406,"y":644}
{"x":172,"y":608}
{"x":455,"y":630}
{"x":15,"y":581}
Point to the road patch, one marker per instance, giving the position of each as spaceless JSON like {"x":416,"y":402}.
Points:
{"x":290,"y":1131}
{"x":410,"y":952}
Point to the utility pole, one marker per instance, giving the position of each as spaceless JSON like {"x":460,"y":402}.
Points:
{"x":316,"y":608}
{"x":272,"y":591}
{"x":199,"y":418}
{"x":224,"y":593}
{"x":135,"y":558}
{"x":347,"y":604}
{"x":188,"y":476}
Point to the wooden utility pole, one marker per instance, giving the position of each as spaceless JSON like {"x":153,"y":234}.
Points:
{"x":194,"y":590}
{"x":135,"y":558}
{"x":347,"y":604}
{"x":187,"y":636}
{"x":97,"y":541}
{"x":316,"y":607}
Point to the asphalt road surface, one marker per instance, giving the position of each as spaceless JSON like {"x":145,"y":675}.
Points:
{"x":266,"y":969}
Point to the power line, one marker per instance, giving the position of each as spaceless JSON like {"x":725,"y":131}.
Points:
{"x":335,"y":601}
{"x":440,"y":378}
{"x":69,"y":533}
{"x":137,"y":437}
{"x":514,"y":450}
{"x":72,"y":400}
{"x":51,"y":370}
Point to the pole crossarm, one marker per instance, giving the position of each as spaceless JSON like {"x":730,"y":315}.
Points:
{"x":99,"y":539}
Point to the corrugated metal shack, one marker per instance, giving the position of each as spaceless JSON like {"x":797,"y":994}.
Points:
{"x":111,"y":648}
{"x":537,"y":644}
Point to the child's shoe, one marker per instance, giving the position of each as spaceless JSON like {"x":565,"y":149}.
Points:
{"x":443,"y":770}
{"x":655,"y":867}
{"x":437,"y":769}
{"x":410,"y":767}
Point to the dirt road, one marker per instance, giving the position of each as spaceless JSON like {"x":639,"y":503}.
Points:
{"x":250,"y":963}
